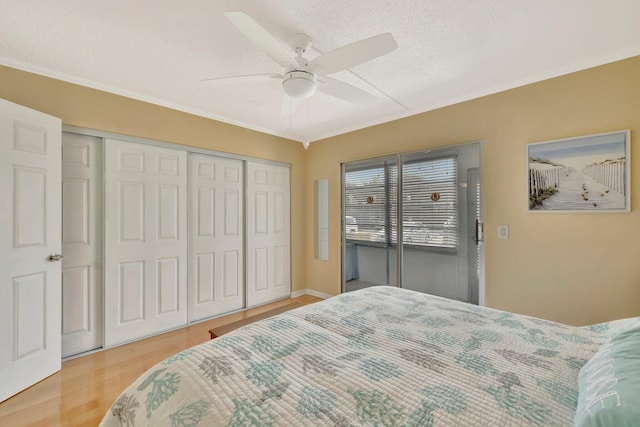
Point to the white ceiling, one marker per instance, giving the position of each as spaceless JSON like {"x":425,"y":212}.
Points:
{"x":449,"y":51}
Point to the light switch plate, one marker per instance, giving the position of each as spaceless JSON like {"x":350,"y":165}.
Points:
{"x":503,"y":232}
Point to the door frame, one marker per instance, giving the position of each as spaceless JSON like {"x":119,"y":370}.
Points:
{"x":399,"y":251}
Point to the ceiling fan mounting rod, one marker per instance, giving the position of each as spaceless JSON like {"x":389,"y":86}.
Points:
{"x":300,"y":43}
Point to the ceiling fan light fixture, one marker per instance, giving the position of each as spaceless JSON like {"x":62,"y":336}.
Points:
{"x":299,"y":84}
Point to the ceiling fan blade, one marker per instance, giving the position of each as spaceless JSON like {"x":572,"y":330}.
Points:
{"x":249,"y":78}
{"x":289,"y":104}
{"x":345,"y":91}
{"x":354,"y":54}
{"x":261,"y":38}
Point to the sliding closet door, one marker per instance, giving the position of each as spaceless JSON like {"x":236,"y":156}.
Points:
{"x":145,"y":240}
{"x":268,"y":233}
{"x":216,"y":260}
{"x":81,"y":243}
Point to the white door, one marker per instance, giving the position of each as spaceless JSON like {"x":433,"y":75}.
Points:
{"x":216,"y":261}
{"x":145,"y":237}
{"x":81,"y":244}
{"x":30,"y":232}
{"x":268,"y":233}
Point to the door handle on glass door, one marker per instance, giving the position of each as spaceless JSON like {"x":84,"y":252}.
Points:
{"x":479,"y":237}
{"x":55,"y":257}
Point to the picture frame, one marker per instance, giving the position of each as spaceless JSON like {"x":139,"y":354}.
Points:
{"x":581,"y":174}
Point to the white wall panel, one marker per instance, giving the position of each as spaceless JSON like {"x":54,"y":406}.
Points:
{"x":30,"y":328}
{"x":77,"y":153}
{"x":279,"y":216}
{"x":29,"y":137}
{"x":260,"y":270}
{"x":204,"y":210}
{"x":168,"y":216}
{"x":75,"y":222}
{"x":260,"y":175}
{"x":281,"y":265}
{"x":260,"y":212}
{"x":168,"y":165}
{"x":131,"y":292}
{"x":76,"y":300}
{"x":232,"y":214}
{"x":230,"y":274}
{"x":130,"y":159}
{"x":205,"y":278}
{"x":168,"y":285}
{"x":232,"y":173}
{"x":131,"y":211}
{"x":206,"y":170}
{"x":30,"y":208}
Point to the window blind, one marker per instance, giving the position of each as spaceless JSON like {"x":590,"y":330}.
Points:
{"x":366,"y":203}
{"x":429,"y":203}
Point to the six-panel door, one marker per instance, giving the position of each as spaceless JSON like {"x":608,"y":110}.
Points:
{"x":268,"y":233}
{"x":81,"y":243}
{"x":145,"y":240}
{"x":216,"y":255}
{"x":29,"y":234}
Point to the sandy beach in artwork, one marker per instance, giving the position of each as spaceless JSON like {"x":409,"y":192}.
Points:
{"x":578,"y":192}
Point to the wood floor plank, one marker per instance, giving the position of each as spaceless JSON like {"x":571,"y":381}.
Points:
{"x":82,"y":392}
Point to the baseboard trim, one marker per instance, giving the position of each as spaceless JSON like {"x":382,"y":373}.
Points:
{"x":310,"y":292}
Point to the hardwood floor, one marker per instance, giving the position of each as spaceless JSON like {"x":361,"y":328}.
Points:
{"x":82,"y":392}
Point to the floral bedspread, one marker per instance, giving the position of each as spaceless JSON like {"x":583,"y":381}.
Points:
{"x":380,"y":356}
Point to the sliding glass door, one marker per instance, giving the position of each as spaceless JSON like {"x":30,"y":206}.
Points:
{"x":423,"y":220}
{"x":368,"y":257}
{"x":431,"y":208}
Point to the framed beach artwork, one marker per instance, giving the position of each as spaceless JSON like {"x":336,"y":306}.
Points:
{"x":582,"y":174}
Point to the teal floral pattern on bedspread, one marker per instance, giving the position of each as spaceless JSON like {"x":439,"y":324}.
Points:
{"x":380,"y":356}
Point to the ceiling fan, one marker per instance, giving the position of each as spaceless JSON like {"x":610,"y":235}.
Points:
{"x":301,"y":76}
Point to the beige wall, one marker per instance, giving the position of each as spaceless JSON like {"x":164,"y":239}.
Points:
{"x":94,"y":109}
{"x":572,"y":268}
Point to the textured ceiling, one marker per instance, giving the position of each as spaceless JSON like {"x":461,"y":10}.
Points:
{"x":449,"y":51}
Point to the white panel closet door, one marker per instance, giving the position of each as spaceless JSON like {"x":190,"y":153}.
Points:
{"x":29,"y":233}
{"x":216,"y":260}
{"x":268,"y":233}
{"x":81,"y":243}
{"x":145,"y":240}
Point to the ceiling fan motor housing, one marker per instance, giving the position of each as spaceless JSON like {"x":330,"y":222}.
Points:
{"x":299,"y":84}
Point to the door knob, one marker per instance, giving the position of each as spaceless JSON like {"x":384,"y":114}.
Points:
{"x":55,"y":257}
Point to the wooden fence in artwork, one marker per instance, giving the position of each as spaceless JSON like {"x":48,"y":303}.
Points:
{"x":543,"y":179}
{"x":609,"y":173}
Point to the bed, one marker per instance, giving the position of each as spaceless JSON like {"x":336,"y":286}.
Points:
{"x":381,"y":356}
